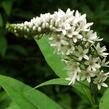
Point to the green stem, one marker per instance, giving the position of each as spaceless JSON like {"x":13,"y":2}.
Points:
{"x":94,"y":93}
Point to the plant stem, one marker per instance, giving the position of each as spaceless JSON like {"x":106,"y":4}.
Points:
{"x":94,"y":93}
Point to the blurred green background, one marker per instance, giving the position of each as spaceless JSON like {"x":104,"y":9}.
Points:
{"x":21,"y":58}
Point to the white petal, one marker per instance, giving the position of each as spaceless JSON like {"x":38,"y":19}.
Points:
{"x":86,"y":57}
{"x":70,"y":35}
{"x":88,"y":25}
{"x":73,"y":79}
{"x":89,"y":79}
{"x":75,"y":33}
{"x":105,"y":54}
{"x":64,"y":32}
{"x":75,"y":40}
{"x":104,"y":85}
{"x":94,"y":69}
{"x":80,"y":58}
{"x":79,"y":36}
{"x":99,"y":87}
{"x":82,"y":17}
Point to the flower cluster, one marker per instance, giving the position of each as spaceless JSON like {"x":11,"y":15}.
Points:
{"x":73,"y":39}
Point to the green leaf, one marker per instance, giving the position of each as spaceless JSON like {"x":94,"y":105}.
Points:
{"x":81,"y":88}
{"x":25,"y":96}
{"x":7,"y":6}
{"x":13,"y":106}
{"x":53,"y":60}
{"x":104,"y":102}
{"x":57,"y":81}
{"x":3,"y":44}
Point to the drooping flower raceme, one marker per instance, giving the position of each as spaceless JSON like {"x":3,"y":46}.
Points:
{"x":72,"y":38}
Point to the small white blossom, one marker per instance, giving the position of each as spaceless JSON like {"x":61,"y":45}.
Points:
{"x":73,"y":70}
{"x":78,"y":17}
{"x":64,"y":28}
{"x":90,"y":36}
{"x":104,"y":63}
{"x":39,"y":29}
{"x":57,"y":41}
{"x":87,"y":75}
{"x":81,"y":53}
{"x":100,"y":79}
{"x":68,"y":48}
{"x":72,"y":33}
{"x":93,"y":63}
{"x":101,"y":50}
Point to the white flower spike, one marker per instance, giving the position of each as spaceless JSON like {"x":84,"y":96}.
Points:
{"x":74,"y":40}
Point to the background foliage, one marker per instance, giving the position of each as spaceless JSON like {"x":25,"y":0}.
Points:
{"x":21,"y":58}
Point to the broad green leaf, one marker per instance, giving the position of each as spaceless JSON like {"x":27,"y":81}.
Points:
{"x":13,"y":106}
{"x":25,"y":96}
{"x":104,"y":102}
{"x":57,"y":81}
{"x":7,"y":6}
{"x":53,"y":60}
{"x":81,"y":88}
{"x":3,"y":44}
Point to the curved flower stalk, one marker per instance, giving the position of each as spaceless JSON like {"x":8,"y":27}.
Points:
{"x":73,"y":39}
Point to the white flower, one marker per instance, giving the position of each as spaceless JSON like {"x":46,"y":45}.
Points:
{"x":90,"y":36}
{"x":72,"y":78}
{"x":73,"y":70}
{"x":45,"y":17}
{"x":104,"y":63}
{"x":68,"y":48}
{"x":101,"y":84}
{"x":83,"y":26}
{"x":72,"y":33}
{"x":93,"y":63}
{"x":81,"y":53}
{"x":101,"y":50}
{"x":69,"y":13}
{"x":87,"y":74}
{"x":39,"y":29}
{"x":78,"y":17}
{"x":100,"y":79}
{"x":64,"y":28}
{"x":86,"y":26}
{"x":57,"y":41}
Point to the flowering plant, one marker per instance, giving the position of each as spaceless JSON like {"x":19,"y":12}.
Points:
{"x":73,"y":40}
